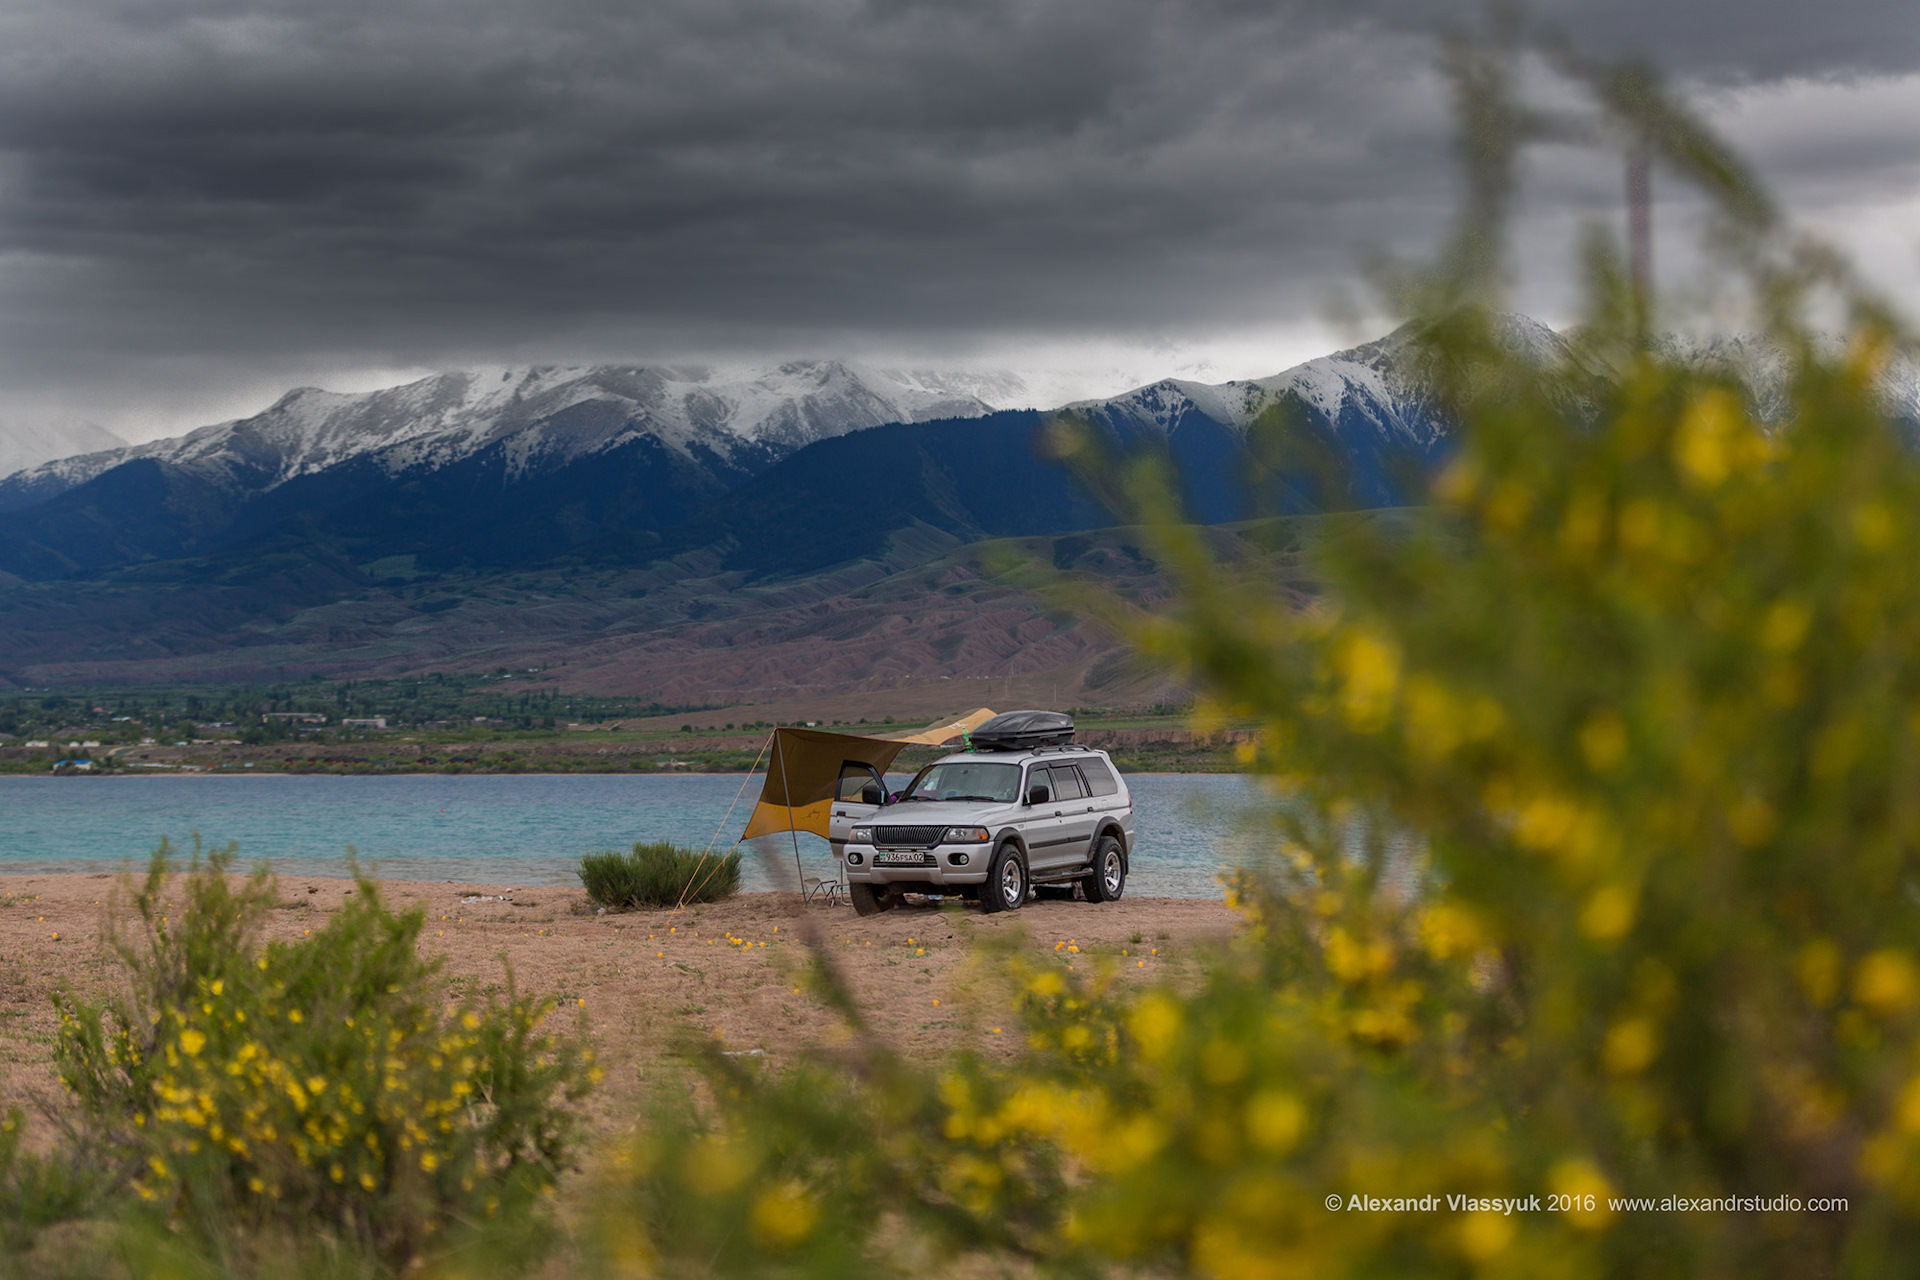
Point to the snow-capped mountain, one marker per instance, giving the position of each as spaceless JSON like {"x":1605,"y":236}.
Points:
{"x":1377,"y":384}
{"x":508,"y":467}
{"x":541,"y":415}
{"x":28,"y":444}
{"x":1767,"y":370}
{"x":1370,"y":406}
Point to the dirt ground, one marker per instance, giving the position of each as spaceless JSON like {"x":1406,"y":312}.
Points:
{"x":641,"y":979}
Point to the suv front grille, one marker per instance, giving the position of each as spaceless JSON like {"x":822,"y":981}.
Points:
{"x":918,"y":837}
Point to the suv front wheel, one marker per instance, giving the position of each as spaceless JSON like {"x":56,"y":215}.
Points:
{"x":1006,"y":886}
{"x":869,"y":900}
{"x":1109,"y":877}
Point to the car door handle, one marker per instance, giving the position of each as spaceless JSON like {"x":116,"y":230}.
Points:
{"x":1056,"y":813}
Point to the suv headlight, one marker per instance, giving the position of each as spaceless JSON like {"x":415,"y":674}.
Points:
{"x":967,"y":835}
{"x":860,"y":835}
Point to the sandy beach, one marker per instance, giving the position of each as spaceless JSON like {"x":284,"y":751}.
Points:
{"x":638,"y":979}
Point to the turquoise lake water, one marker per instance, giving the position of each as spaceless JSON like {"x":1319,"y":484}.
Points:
{"x":512,"y":829}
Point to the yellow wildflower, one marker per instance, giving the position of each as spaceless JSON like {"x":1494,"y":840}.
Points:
{"x":784,"y":1216}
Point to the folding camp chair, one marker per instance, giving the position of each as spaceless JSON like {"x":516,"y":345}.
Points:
{"x":824,"y":888}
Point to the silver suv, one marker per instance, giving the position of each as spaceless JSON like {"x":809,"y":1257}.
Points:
{"x":989,"y":825}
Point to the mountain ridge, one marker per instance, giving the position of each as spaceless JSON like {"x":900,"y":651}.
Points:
{"x":31,"y":444}
{"x":341,"y":534}
{"x":571,"y":533}
{"x":613,"y":464}
{"x":568,"y":411}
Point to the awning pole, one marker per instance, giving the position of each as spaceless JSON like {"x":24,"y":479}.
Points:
{"x":799,"y":876}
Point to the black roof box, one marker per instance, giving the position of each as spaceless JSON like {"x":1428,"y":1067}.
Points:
{"x":1019,"y":730}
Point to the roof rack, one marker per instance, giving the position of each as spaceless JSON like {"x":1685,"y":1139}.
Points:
{"x":1016,"y":749}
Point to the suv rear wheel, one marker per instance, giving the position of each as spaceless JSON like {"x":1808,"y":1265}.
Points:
{"x":1006,"y":886}
{"x":1108,"y":880}
{"x":871,"y":901}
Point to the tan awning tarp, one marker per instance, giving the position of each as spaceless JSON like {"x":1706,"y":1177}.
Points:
{"x":934,"y":735}
{"x":802,"y":773}
{"x":804,"y":770}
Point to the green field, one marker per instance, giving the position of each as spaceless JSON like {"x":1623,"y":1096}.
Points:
{"x":469,"y":725}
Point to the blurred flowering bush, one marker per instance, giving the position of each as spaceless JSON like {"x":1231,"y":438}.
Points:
{"x":329,"y":1086}
{"x":1595,"y":800}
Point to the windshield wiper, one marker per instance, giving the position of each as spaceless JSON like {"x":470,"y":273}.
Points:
{"x":982,"y":799}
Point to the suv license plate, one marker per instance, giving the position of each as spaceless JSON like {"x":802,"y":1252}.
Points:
{"x":901,"y":860}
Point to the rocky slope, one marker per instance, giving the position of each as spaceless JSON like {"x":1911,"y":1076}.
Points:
{"x":927,"y":620}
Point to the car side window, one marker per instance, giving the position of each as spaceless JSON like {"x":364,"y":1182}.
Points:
{"x":1066,"y":783}
{"x":855,"y":778}
{"x":1100,"y":780}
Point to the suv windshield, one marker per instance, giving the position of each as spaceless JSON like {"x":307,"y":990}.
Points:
{"x":966,"y":780}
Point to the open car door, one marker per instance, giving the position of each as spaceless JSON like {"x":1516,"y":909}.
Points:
{"x":857,"y":797}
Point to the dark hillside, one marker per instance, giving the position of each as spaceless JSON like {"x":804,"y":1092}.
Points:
{"x":975,"y":478}
{"x":481,"y":512}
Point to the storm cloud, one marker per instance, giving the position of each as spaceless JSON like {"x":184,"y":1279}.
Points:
{"x":198,"y":196}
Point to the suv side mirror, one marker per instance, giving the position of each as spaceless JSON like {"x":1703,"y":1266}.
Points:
{"x":871,"y":794}
{"x":1039,"y":793}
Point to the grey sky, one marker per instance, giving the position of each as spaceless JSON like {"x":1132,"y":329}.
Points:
{"x":205,"y":201}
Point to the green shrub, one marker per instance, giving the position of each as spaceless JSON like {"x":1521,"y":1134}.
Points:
{"x":1595,"y":848}
{"x":329,"y":1088}
{"x":658,"y":875}
{"x":37,"y":1191}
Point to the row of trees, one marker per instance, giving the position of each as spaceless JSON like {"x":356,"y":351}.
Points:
{"x":448,"y":700}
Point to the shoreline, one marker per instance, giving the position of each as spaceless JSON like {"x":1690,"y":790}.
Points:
{"x":516,"y":773}
{"x":568,"y":882}
{"x":99,"y":775}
